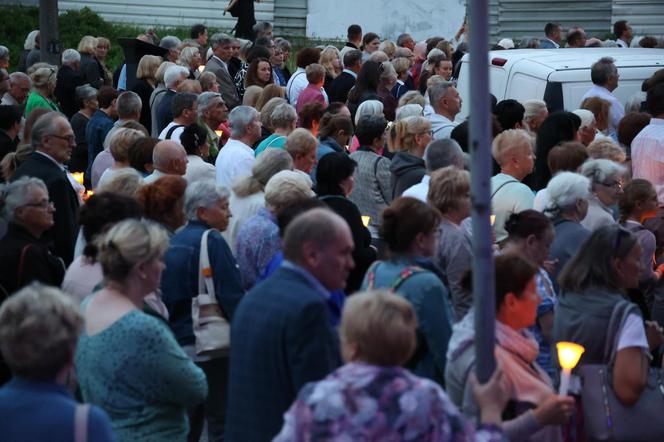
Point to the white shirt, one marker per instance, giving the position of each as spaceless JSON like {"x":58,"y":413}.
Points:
{"x":622,"y":43}
{"x":296,"y":85}
{"x":617,"y":111}
{"x":648,"y":156}
{"x":175,"y":136}
{"x":441,"y":126}
{"x":234,"y":162}
{"x":154,"y":176}
{"x":419,"y":190}
{"x":598,"y":215}
{"x":199,"y":170}
{"x":513,"y":197}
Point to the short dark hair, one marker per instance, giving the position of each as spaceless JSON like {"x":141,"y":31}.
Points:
{"x":192,"y":138}
{"x":369,"y":37}
{"x":403,"y":220}
{"x":197,"y":30}
{"x":574,"y":37}
{"x":182,"y":101}
{"x":630,"y":126}
{"x":509,"y":112}
{"x":331,"y":170}
{"x":106,"y":95}
{"x":140,"y":153}
{"x":513,"y":273}
{"x":306,"y":56}
{"x":619,"y":27}
{"x":310,"y":113}
{"x":655,"y":100}
{"x":352,"y":57}
{"x":526,"y":223}
{"x":9,"y":116}
{"x":258,"y":51}
{"x":263,"y":41}
{"x":370,"y":127}
{"x":354,"y":31}
{"x":550,"y":28}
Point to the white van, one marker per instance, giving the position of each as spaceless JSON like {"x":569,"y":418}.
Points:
{"x":558,"y":76}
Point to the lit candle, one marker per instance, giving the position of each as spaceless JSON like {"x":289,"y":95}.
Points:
{"x":78,"y":177}
{"x":492,"y":218}
{"x":219,"y":132}
{"x":201,"y":68}
{"x":569,"y":354}
{"x":365,"y":220}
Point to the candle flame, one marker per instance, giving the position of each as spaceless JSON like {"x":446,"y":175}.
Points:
{"x":569,"y":354}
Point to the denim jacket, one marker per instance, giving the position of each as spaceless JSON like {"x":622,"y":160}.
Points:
{"x":179,"y":282}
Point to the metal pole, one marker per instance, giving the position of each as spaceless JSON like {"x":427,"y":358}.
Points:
{"x":480,"y":141}
{"x":48,"y":32}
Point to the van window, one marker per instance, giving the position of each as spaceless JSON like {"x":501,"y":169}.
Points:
{"x":524,"y":87}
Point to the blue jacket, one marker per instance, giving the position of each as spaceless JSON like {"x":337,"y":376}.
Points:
{"x":95,"y":132}
{"x":179,"y":282}
{"x":430,"y":300}
{"x":280,"y":340}
{"x":44,"y":411}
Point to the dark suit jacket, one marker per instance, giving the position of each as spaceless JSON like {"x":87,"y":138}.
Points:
{"x":65,"y":90}
{"x":281,"y":339}
{"x":164,"y":112}
{"x":7,"y":145}
{"x":226,"y":84}
{"x":62,"y":194}
{"x":341,"y":86}
{"x":144,"y":90}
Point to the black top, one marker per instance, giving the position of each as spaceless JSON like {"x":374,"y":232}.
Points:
{"x":65,"y":90}
{"x":341,"y":86}
{"x":144,"y":90}
{"x":79,"y":156}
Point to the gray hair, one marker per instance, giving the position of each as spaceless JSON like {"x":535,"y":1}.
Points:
{"x":587,"y":117}
{"x":240,"y":118}
{"x":600,"y":170}
{"x":368,"y":107}
{"x":564,"y":190}
{"x":402,"y":38}
{"x":443,"y":153}
{"x":70,"y":57}
{"x":409,"y":110}
{"x":129,"y":104}
{"x":204,"y":194}
{"x":4,"y":52}
{"x":45,"y":125}
{"x":187,"y":54}
{"x":16,"y":194}
{"x":220,"y":39}
{"x":31,"y":40}
{"x":268,"y":164}
{"x":602,"y":70}
{"x":388,"y":73}
{"x":283,"y":116}
{"x":175,"y":73}
{"x":204,"y":101}
{"x":283,"y":44}
{"x":438,"y":91}
{"x":286,"y":187}
{"x":533,"y":108}
{"x":18,"y":76}
{"x":170,"y":42}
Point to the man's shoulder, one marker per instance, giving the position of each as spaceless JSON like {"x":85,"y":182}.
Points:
{"x":39,"y":167}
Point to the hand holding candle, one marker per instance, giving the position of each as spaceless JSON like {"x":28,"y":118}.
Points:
{"x":569,"y":354}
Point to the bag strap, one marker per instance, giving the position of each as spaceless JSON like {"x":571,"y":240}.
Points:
{"x":371,"y":275}
{"x":205,"y":281}
{"x":171,"y":130}
{"x":404,"y":275}
{"x":618,"y":317}
{"x":273,"y":140}
{"x":21,"y":264}
{"x":81,"y":422}
{"x":501,"y":186}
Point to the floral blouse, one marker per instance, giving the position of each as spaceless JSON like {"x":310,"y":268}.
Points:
{"x":360,"y":402}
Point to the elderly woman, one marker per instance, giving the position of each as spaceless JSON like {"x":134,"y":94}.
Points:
{"x":120,"y":142}
{"x":302,"y":147}
{"x":535,"y":114}
{"x":536,"y":412}
{"x":25,"y":256}
{"x":195,"y":142}
{"x":90,"y":70}
{"x":128,"y":362}
{"x":86,"y":96}
{"x":606,"y":178}
{"x":588,"y":128}
{"x":378,"y":335}
{"x":190,"y":57}
{"x":591,"y":290}
{"x":409,"y":228}
{"x":39,"y":328}
{"x":206,"y":206}
{"x":449,"y":193}
{"x":568,"y":205}
{"x":248,"y":196}
{"x":283,"y":120}
{"x":100,"y":212}
{"x":605,"y":148}
{"x":258,"y":239}
{"x":386,"y":82}
{"x":163,"y":201}
{"x":43,"y":82}
{"x":145,"y":83}
{"x":408,"y":138}
{"x":335,"y":181}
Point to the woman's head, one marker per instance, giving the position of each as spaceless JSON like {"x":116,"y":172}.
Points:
{"x":269,"y":92}
{"x":449,"y":191}
{"x":140,"y":154}
{"x":516,"y":292}
{"x":39,"y":329}
{"x":638,"y":201}
{"x":588,"y":129}
{"x":121,"y":141}
{"x":163,"y":201}
{"x":630,"y":126}
{"x":409,"y":225}
{"x":268,"y":108}
{"x":206,"y":202}
{"x":147,"y":67}
{"x":568,"y":195}
{"x":556,"y":128}
{"x":367,"y":80}
{"x":600,"y":108}
{"x":370,"y":42}
{"x":605,"y":148}
{"x":194,"y":140}
{"x":334,"y":174}
{"x":368,"y":107}
{"x":26,"y":202}
{"x":378,"y":328}
{"x":44,"y":78}
{"x":284,"y":117}
{"x":301,"y":145}
{"x":388,"y":76}
{"x":268,"y":163}
{"x":411,"y":134}
{"x":259,"y":73}
{"x":129,"y":254}
{"x":285,"y":188}
{"x":87,"y":45}
{"x":126,"y":181}
{"x":567,"y":156}
{"x":331,"y":61}
{"x":190,"y":57}
{"x":535,"y":114}
{"x":338,"y":127}
{"x":606,"y":179}
{"x":608,"y":258}
{"x":531,"y":232}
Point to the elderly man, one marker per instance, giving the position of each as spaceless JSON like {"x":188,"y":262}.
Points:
{"x":171,"y":43}
{"x":513,"y":151}
{"x":236,"y":158}
{"x":406,"y":41}
{"x":438,"y":154}
{"x":553,"y":36}
{"x":168,"y":158}
{"x":100,"y":123}
{"x":446,"y":103}
{"x":604,"y":75}
{"x":623,"y":33}
{"x":173,"y":78}
{"x":294,"y":343}
{"x":19,"y":88}
{"x":185,"y":112}
{"x":68,"y":80}
{"x":53,"y":140}
{"x":212,"y":111}
{"x":222,"y":51}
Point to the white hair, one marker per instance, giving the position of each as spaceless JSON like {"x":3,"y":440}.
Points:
{"x":369,"y":107}
{"x":175,"y":73}
{"x":601,"y":170}
{"x":203,"y":193}
{"x":240,"y":118}
{"x":287,"y":186}
{"x":409,"y":110}
{"x":565,"y":189}
{"x":587,"y":117}
{"x":70,"y":57}
{"x":533,"y":108}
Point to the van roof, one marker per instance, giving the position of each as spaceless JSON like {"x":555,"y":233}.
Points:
{"x":580,"y":58}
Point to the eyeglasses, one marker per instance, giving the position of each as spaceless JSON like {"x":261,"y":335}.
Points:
{"x":616,"y":184}
{"x":68,"y":138}
{"x":43,"y":204}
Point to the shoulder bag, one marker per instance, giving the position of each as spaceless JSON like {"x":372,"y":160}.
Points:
{"x":605,"y":417}
{"x":211,"y":328}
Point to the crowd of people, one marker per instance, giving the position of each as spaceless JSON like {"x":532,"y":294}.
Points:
{"x":218,"y":243}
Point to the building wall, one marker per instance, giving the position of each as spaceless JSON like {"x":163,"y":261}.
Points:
{"x":645,"y":16}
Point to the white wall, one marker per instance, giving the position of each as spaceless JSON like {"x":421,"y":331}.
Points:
{"x":387,"y":18}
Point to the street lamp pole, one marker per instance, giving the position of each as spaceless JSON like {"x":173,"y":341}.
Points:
{"x":49,"y":43}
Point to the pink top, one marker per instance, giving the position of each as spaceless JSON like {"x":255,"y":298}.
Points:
{"x":309,"y":94}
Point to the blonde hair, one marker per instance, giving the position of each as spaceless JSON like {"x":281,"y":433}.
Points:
{"x":39,"y":328}
{"x":127,"y":244}
{"x":400,"y":65}
{"x":300,"y":142}
{"x":286,"y":187}
{"x":412,"y":97}
{"x":104,"y":41}
{"x":207,"y":81}
{"x":186,"y":55}
{"x":606,"y":149}
{"x":446,"y":187}
{"x":326,"y":56}
{"x":388,"y":47}
{"x":268,"y":108}
{"x":87,"y":45}
{"x":161,"y":71}
{"x":401,"y":137}
{"x":44,"y":76}
{"x":120,"y":142}
{"x":126,"y":181}
{"x":381,"y":325}
{"x":148,"y":66}
{"x":269,"y":92}
{"x":509,"y":141}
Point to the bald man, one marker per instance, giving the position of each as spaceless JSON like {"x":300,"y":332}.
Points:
{"x":168,"y":158}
